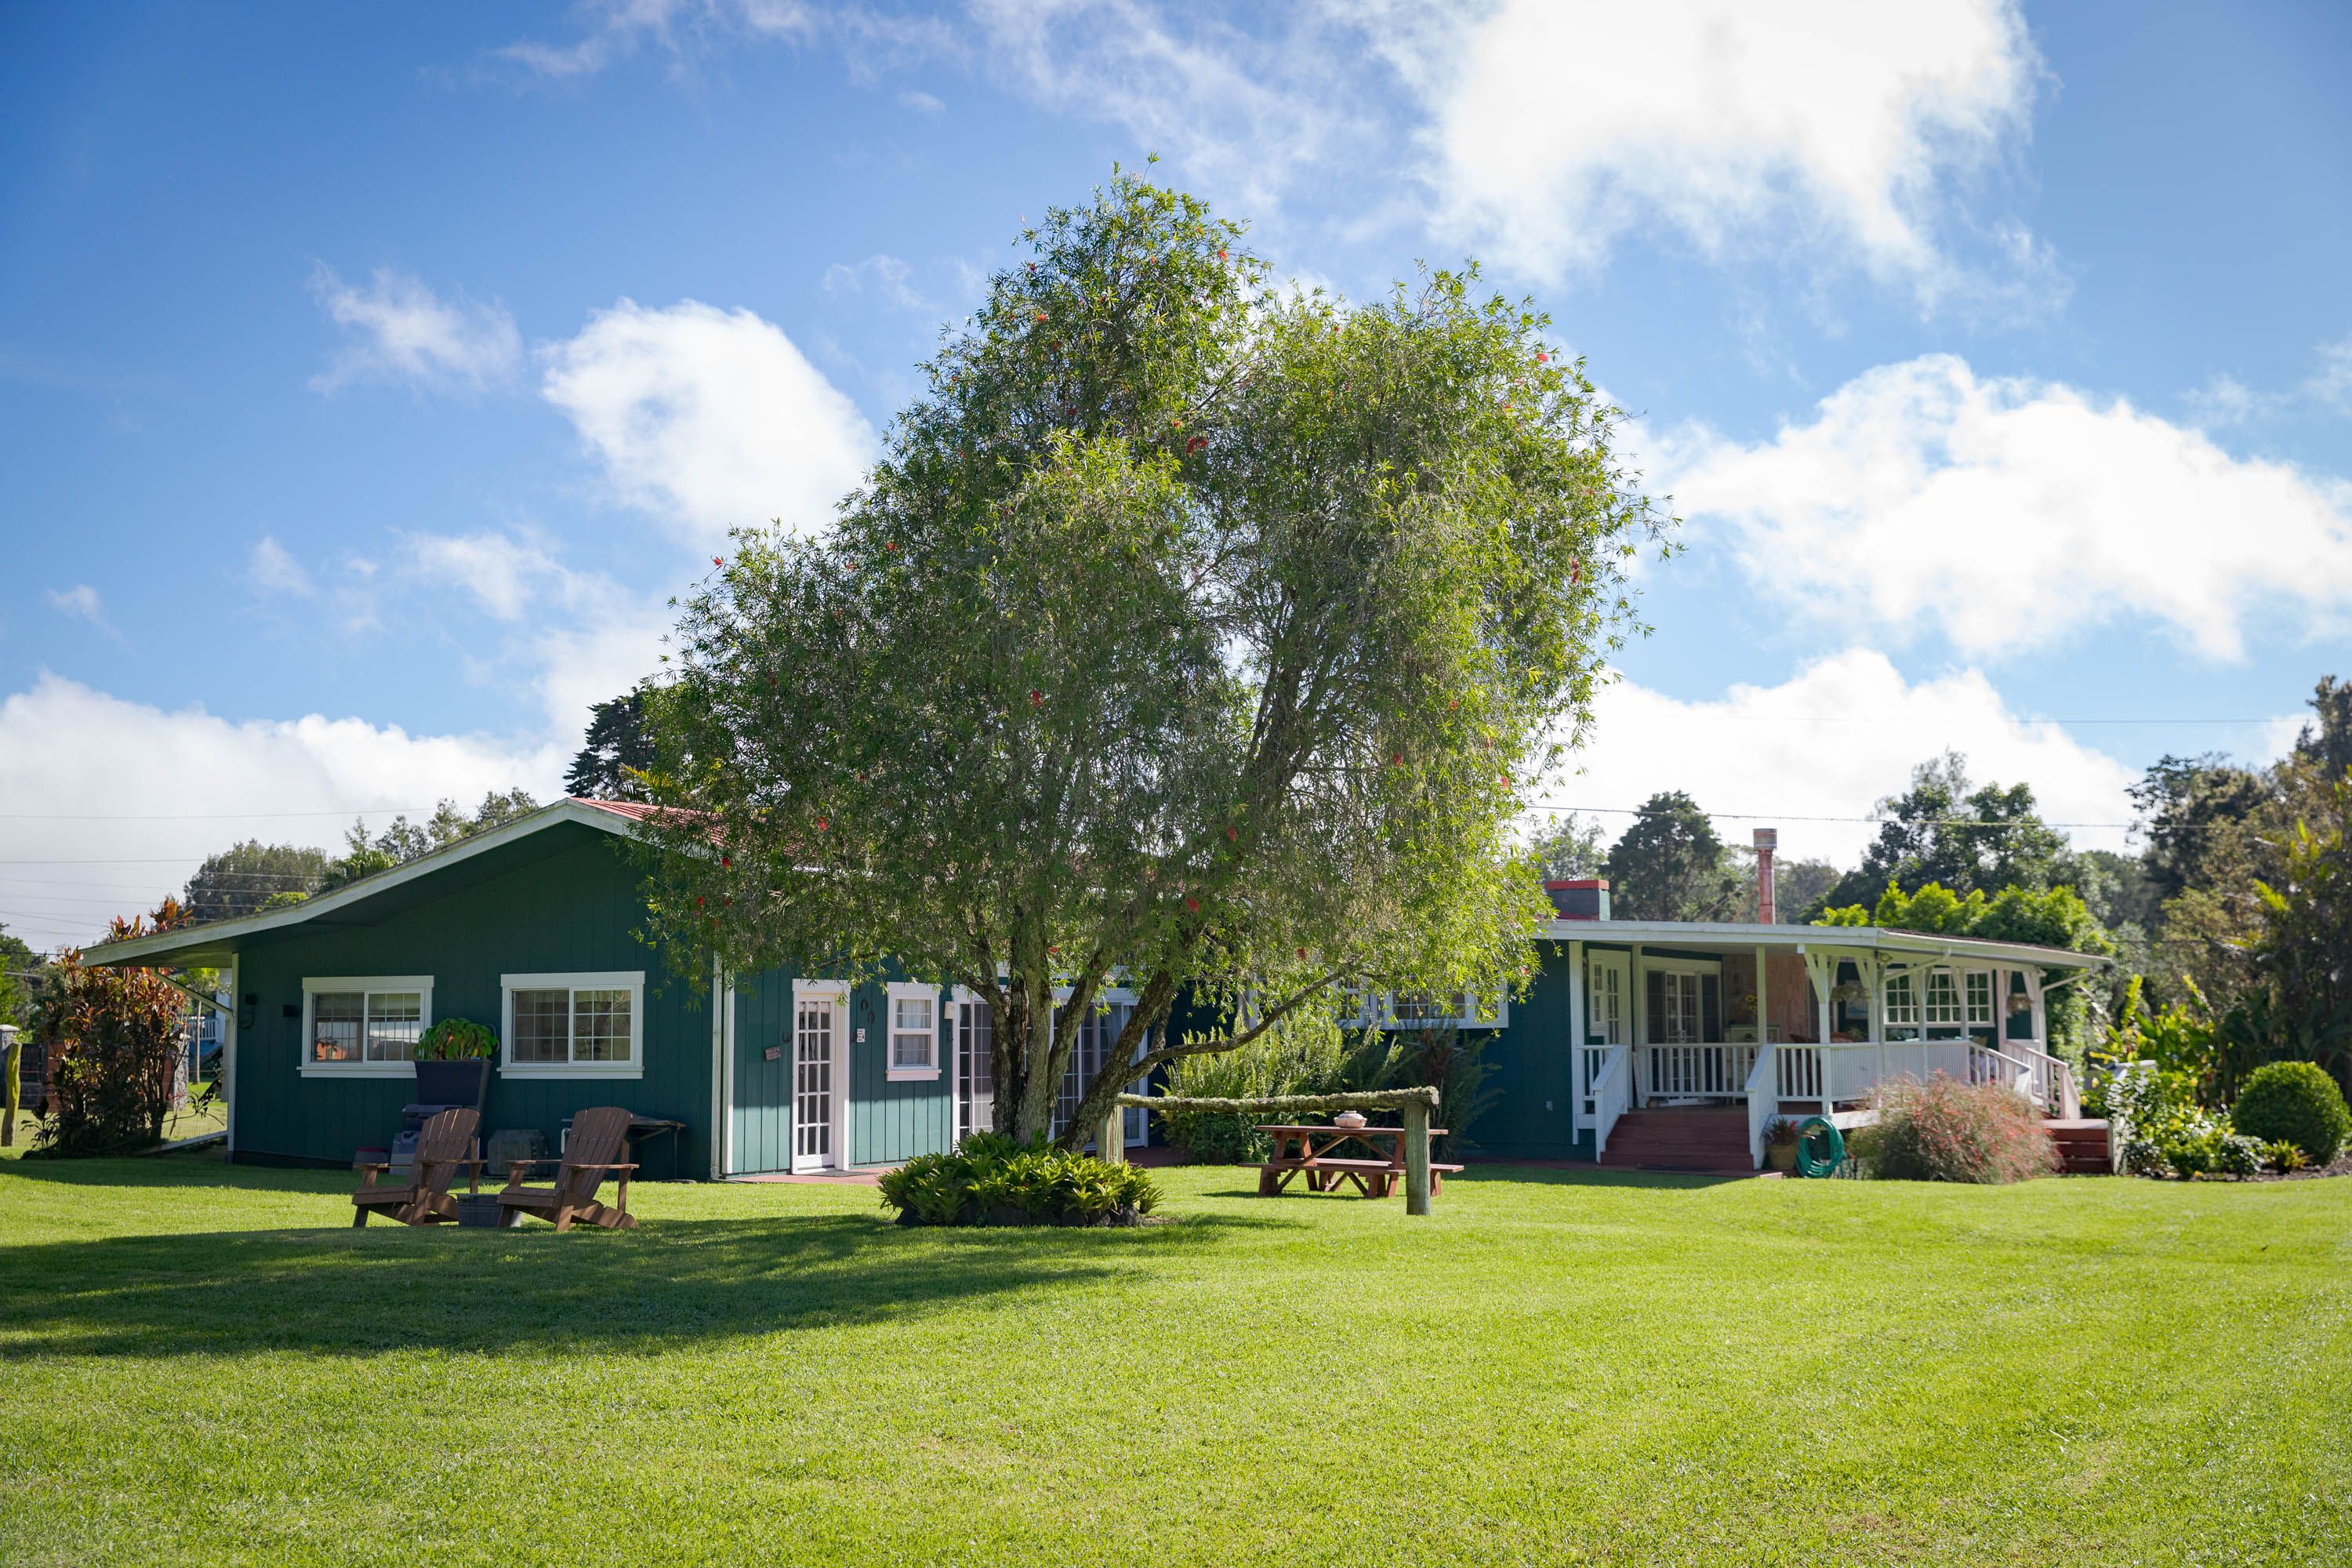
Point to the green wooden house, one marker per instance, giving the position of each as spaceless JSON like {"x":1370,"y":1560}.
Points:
{"x":533,"y":929}
{"x":1637,"y":1043}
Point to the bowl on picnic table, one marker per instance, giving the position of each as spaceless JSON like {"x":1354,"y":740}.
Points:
{"x":1350,"y":1120}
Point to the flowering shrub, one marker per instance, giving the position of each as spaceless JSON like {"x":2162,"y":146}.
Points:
{"x":1947,"y":1131}
{"x":992,"y":1178}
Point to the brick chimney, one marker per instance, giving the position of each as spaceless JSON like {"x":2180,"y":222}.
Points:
{"x":1581,"y":898}
{"x":1768,"y":839}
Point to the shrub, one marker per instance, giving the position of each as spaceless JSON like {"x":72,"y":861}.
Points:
{"x":2285,"y":1157}
{"x":2297,"y":1103}
{"x":1947,"y":1131}
{"x":115,"y":1038}
{"x":2213,"y":1151}
{"x":992,"y":1178}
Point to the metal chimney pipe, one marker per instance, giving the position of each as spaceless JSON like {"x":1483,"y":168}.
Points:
{"x":1768,"y":839}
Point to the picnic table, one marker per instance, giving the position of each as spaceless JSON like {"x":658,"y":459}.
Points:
{"x":1313,"y":1150}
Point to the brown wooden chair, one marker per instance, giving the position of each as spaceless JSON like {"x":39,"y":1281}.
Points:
{"x":444,"y":1143}
{"x":599,"y":1138}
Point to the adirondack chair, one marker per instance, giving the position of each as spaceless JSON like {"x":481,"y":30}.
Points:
{"x":444,"y":1144}
{"x":599,"y":1138}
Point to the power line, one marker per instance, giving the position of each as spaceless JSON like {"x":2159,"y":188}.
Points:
{"x":1798,"y":816}
{"x":204,"y":816}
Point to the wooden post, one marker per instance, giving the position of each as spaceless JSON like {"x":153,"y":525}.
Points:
{"x":1111,"y":1142}
{"x":1416,"y":1156}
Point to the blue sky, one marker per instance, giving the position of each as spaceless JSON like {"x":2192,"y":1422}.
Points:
{"x":367,"y":384}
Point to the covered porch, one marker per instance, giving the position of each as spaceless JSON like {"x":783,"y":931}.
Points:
{"x":1800,"y":1020}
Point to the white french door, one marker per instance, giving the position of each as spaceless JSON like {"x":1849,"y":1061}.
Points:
{"x":816,"y":1056}
{"x":975,"y":1038}
{"x":1608,"y":992}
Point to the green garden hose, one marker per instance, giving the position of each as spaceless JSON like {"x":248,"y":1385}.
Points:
{"x":1821,"y":1148}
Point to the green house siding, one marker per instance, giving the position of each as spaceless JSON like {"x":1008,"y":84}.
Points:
{"x":571,"y":907}
{"x":761,"y":1114}
{"x":1532,"y":1115}
{"x":892,"y":1120}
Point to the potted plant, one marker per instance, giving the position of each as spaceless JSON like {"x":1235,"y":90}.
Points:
{"x":1780,"y":1144}
{"x":453,"y":1063}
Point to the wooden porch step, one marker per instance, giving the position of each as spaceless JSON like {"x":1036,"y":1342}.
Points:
{"x":1701,"y":1139}
{"x":2084,"y":1146}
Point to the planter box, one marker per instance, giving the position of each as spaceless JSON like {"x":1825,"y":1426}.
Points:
{"x":460,"y":1082}
{"x":481,"y":1211}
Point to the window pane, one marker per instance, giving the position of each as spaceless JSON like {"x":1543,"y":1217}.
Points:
{"x":541,"y":1025}
{"x":1943,"y":1002}
{"x":1980,"y":997}
{"x":335,"y":1019}
{"x":396,"y":1022}
{"x":600,"y":1025}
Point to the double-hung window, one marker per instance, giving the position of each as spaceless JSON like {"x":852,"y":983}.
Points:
{"x":913,"y":1031}
{"x":574,"y":1025}
{"x":1941,"y":1005}
{"x":364,"y":1027}
{"x":1902,"y":1003}
{"x":1979,"y":988}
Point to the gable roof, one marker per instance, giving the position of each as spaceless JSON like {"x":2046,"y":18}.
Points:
{"x":217,"y":939}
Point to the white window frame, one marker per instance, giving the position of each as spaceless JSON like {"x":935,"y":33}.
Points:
{"x":1955,"y":1026}
{"x":1968,"y":998}
{"x":895,"y":991}
{"x":1382,"y":1005}
{"x":314,"y":984}
{"x":1908,"y":1015}
{"x":633,"y":981}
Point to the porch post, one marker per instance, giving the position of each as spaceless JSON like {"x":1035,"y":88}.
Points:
{"x":1820,"y":973}
{"x":1111,"y":1142}
{"x":1637,"y":1007}
{"x":1578,"y":1031}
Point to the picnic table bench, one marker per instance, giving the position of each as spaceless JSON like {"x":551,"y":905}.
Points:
{"x":1326,"y":1171}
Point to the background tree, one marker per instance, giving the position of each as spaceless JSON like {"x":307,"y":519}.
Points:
{"x":618,"y":749}
{"x":1947,"y":830}
{"x":1189,"y":631}
{"x":401,"y":841}
{"x":1670,"y":866}
{"x":240,"y":879}
{"x":1566,"y":847}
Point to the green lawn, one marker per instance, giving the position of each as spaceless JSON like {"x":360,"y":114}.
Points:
{"x":202,"y":1362}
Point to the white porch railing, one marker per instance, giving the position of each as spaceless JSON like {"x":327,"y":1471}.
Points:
{"x":1798,"y":1070}
{"x":1612,"y":1079}
{"x":2050,"y":1082}
{"x":1697,"y":1071}
{"x":1763,"y":1098}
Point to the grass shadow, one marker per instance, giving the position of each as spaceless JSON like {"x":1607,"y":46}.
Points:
{"x":363,"y":1292}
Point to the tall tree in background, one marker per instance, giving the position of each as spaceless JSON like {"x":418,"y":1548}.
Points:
{"x":1189,"y":630}
{"x":1670,"y":866}
{"x":1567,"y":848}
{"x":618,"y":749}
{"x":242,"y":878}
{"x":1947,"y":830}
{"x":401,"y":841}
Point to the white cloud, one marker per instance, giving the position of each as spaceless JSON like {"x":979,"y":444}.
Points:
{"x":885,"y":275}
{"x":2331,"y":384}
{"x":2012,"y":514}
{"x":707,"y":418}
{"x":617,"y":28}
{"x":1829,"y":743}
{"x":921,"y":102}
{"x":502,"y":572}
{"x":82,"y":602}
{"x":101,"y":792}
{"x":272,"y":569}
{"x":1561,"y":127}
{"x":401,"y":331}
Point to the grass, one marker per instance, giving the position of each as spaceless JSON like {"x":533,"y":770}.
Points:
{"x":202,"y":1362}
